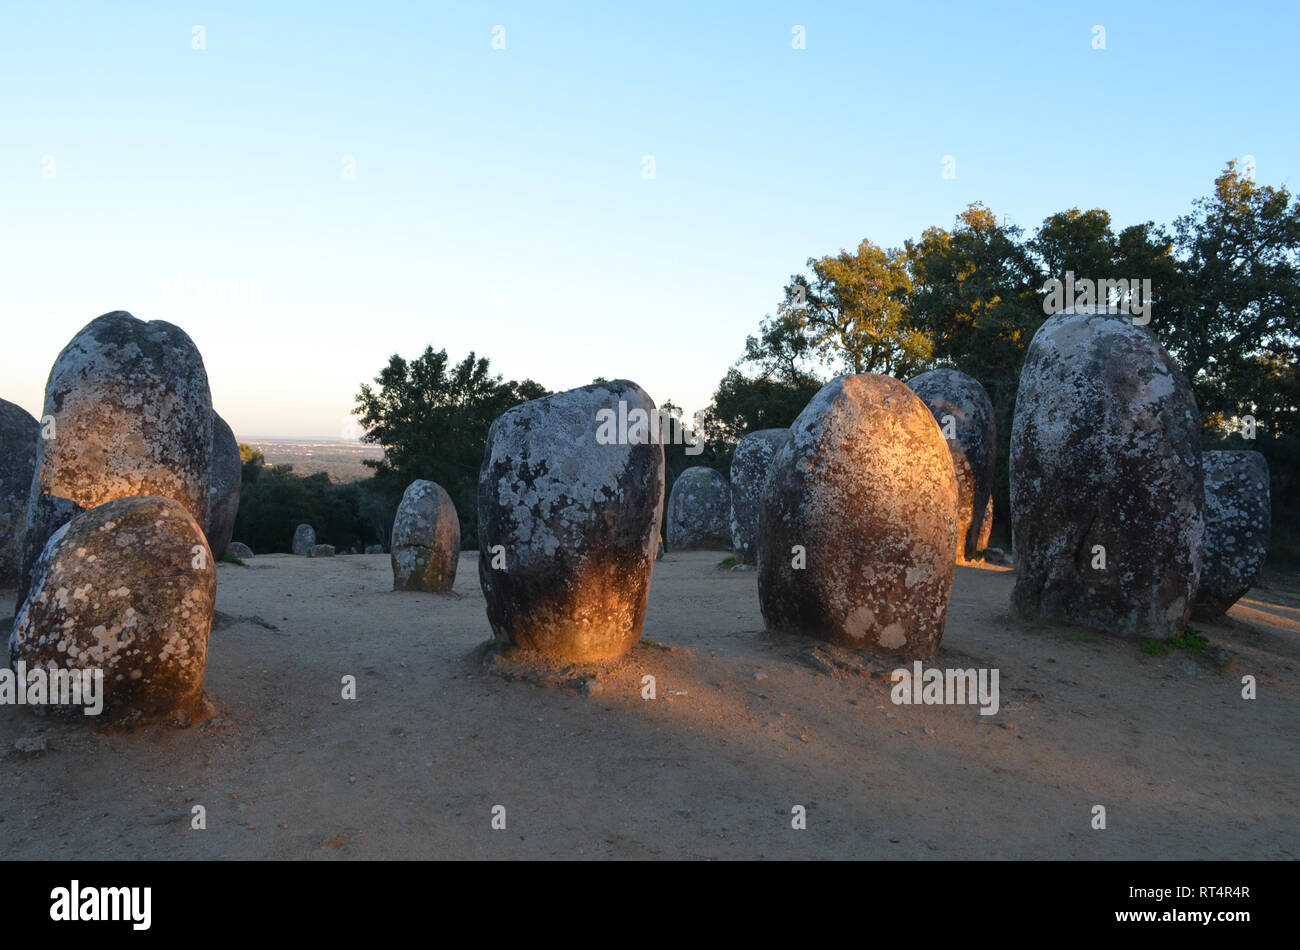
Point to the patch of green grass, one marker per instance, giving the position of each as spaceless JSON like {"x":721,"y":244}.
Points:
{"x":485,"y":649}
{"x":1191,"y":640}
{"x":727,"y":562}
{"x":654,"y":645}
{"x":229,"y":558}
{"x":1088,"y":638}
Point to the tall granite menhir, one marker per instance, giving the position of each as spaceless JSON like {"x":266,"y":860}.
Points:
{"x":132,"y":415}
{"x":858,"y":523}
{"x":19,"y":433}
{"x":223,"y":493}
{"x":964,"y":413}
{"x":1238,"y":524}
{"x":569,"y":522}
{"x":750,"y":464}
{"x":1107,"y":500}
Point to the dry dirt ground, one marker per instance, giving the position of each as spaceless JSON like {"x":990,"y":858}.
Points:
{"x":744,"y":726}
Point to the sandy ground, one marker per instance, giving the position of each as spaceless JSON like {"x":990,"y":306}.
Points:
{"x":744,"y":726}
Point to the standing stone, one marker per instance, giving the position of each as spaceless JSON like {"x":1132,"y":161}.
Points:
{"x":1238,"y":524}
{"x":132,"y":416}
{"x":19,"y":433}
{"x":964,"y":413}
{"x":986,"y":529}
{"x":426,"y":539}
{"x":127,"y":587}
{"x":374,"y":549}
{"x":699,"y":511}
{"x":1107,"y":498}
{"x":239,"y":550}
{"x":858,"y":522}
{"x":749,"y":467}
{"x":304,"y":539}
{"x":223,"y":493}
{"x":321,"y":550}
{"x":569,"y":505}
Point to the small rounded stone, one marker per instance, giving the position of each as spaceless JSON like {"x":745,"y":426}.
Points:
{"x":699,"y":511}
{"x":426,"y":539}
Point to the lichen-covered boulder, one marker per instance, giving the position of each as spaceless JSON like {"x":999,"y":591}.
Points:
{"x":132,"y":415}
{"x":858,"y":521}
{"x":304,"y":539}
{"x":1238,"y":524}
{"x":569,"y":505}
{"x":1107,"y":499}
{"x":964,"y":413}
{"x":374,"y":549}
{"x":699,"y":510}
{"x":223,"y":493}
{"x":128,"y":588}
{"x":239,"y":550}
{"x":19,"y":433}
{"x":750,"y":464}
{"x":426,"y":539}
{"x":321,"y":550}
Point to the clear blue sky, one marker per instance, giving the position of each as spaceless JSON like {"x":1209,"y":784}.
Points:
{"x":498,"y":202}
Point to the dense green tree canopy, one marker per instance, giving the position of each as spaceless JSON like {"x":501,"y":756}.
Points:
{"x":850,"y":317}
{"x":1235,"y":324}
{"x":432,"y":418}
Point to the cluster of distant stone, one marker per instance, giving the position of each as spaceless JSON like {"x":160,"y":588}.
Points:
{"x":304,"y":545}
{"x":116,"y":504}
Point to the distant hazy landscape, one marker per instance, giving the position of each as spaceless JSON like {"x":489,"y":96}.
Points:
{"x":341,"y":461}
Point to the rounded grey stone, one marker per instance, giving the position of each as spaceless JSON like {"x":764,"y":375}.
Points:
{"x":128,"y":588}
{"x":132,"y":415}
{"x":1105,"y":461}
{"x":699,"y":511}
{"x":226,"y":481}
{"x":1238,"y":525}
{"x":963,"y":409}
{"x":19,"y":433}
{"x":304,"y":539}
{"x":858,"y":523}
{"x":426,"y":539}
{"x":750,"y":464}
{"x":576,"y":551}
{"x":239,"y":550}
